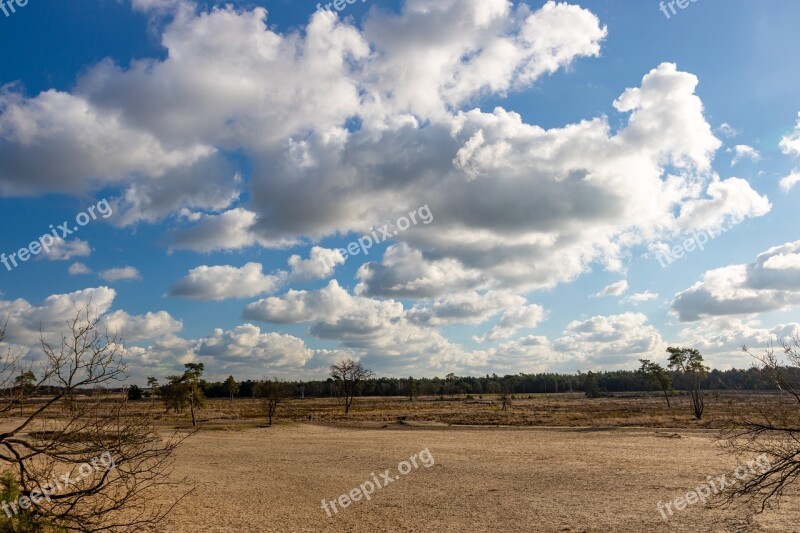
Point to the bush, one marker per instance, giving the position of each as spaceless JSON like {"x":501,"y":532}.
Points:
{"x":134,"y":393}
{"x":22,"y":521}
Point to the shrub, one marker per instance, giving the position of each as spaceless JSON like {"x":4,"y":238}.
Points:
{"x":22,"y":520}
{"x":134,"y":393}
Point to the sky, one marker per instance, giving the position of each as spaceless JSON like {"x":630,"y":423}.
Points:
{"x":429,"y":186}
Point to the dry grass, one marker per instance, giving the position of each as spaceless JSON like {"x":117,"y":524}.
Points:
{"x":540,"y":410}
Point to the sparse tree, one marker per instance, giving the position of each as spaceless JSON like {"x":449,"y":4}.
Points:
{"x":505,"y":400}
{"x":175,"y":394}
{"x":591,"y":387}
{"x":24,"y":385}
{"x":24,"y":382}
{"x":192,"y":379}
{"x":51,"y":441}
{"x":152,"y":383}
{"x":412,"y":388}
{"x":231,"y":387}
{"x":659,"y":377}
{"x":273,"y":393}
{"x":347,"y":374}
{"x":689,"y":363}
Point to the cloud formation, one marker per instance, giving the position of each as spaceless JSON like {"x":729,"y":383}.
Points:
{"x":125,"y":273}
{"x":790,"y":143}
{"x":769,"y":283}
{"x":617,"y":288}
{"x":226,"y":281}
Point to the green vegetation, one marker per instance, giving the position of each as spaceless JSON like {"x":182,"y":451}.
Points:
{"x":21,"y":520}
{"x":752,"y":379}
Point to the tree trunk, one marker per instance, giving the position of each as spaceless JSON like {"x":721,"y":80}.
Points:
{"x":666,"y":397}
{"x":191,"y":405}
{"x":697,"y":403}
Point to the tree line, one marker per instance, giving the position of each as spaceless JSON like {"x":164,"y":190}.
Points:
{"x":617,"y":381}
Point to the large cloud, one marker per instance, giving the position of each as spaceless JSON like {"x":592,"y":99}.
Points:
{"x":345,"y":127}
{"x":86,"y":146}
{"x":720,"y":339}
{"x":320,"y":264}
{"x":404,"y":272}
{"x":245,"y":348}
{"x":612,"y":341}
{"x":142,"y":327}
{"x":525,"y":316}
{"x":378,"y":329}
{"x":226,"y":281}
{"x":24,"y":322}
{"x":771,"y":282}
{"x":465,"y":308}
{"x":248,"y":137}
{"x":523,"y":207}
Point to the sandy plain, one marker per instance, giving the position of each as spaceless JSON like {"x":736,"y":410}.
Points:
{"x":273,"y":479}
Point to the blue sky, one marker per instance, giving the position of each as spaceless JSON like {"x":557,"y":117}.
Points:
{"x":558,"y":146}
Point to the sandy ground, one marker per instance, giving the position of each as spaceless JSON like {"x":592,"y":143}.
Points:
{"x":274,"y":479}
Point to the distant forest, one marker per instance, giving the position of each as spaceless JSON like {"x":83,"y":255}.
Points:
{"x":752,"y":379}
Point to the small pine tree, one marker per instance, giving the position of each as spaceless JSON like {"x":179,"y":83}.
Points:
{"x":590,"y":386}
{"x":134,"y":393}
{"x":231,"y":387}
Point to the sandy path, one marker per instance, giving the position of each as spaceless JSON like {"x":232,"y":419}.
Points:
{"x":274,"y":479}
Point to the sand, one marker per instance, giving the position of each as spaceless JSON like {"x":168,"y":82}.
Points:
{"x":483,"y":479}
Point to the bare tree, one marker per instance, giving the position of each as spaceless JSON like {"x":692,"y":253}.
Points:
{"x":273,"y":392}
{"x":347,"y":374}
{"x":774,"y":430}
{"x":50,"y":442}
